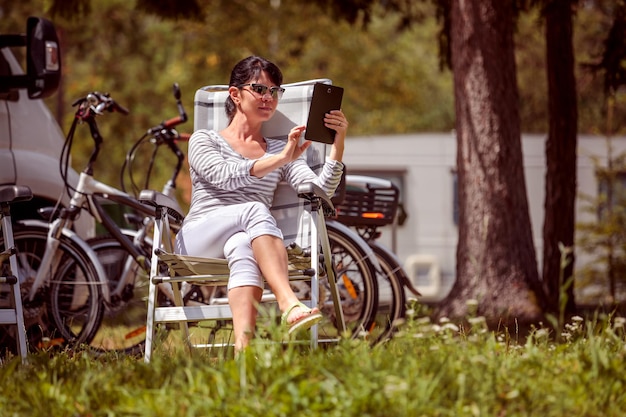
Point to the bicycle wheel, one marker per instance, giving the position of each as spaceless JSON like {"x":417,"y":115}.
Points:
{"x":392,"y":298}
{"x":355,"y":275}
{"x":123,"y":327}
{"x":67,"y":309}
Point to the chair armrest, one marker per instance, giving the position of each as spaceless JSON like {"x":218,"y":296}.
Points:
{"x":156,"y":199}
{"x":312,"y":192}
{"x":15,"y":193}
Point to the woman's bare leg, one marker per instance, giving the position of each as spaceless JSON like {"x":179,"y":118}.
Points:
{"x":271,"y":256}
{"x":243,"y":302}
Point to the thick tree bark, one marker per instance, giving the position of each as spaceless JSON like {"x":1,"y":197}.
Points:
{"x":560,"y":196}
{"x":496,"y":261}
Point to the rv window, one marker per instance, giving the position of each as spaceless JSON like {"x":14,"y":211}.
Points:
{"x":611,"y":192}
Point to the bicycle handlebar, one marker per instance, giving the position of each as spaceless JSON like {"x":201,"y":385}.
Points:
{"x":162,"y":134}
{"x":174,"y":121}
{"x":183,"y":137}
{"x":95,"y":103}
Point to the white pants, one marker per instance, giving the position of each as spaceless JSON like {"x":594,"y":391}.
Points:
{"x":227,"y":232}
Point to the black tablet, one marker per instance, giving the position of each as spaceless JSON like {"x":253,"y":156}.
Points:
{"x":325,"y":98}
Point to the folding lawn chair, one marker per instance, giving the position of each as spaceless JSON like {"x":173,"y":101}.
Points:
{"x":11,"y":310}
{"x":299,"y":214}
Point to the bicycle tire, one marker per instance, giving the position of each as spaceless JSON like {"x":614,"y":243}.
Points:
{"x":67,"y":309}
{"x":356,"y":279}
{"x":391,"y":312}
{"x":124,"y":322}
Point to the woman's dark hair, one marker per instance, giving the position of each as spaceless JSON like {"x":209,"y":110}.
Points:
{"x":250,"y":69}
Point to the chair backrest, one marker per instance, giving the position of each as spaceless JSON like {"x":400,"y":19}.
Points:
{"x":293,"y":110}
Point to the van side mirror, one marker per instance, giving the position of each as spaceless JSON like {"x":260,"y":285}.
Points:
{"x":43,"y":59}
{"x":43,"y":65}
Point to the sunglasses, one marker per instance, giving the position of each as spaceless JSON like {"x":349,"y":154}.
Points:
{"x":261,"y":89}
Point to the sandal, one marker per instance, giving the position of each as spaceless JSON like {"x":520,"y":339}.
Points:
{"x":308,"y":318}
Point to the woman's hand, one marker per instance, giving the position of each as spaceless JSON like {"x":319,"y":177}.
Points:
{"x":293,"y":149}
{"x":290,"y":152}
{"x":337,"y":121}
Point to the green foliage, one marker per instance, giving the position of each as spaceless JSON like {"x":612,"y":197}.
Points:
{"x":613,"y":61}
{"x":430,"y":369}
{"x":392,"y":80}
{"x":392,"y":77}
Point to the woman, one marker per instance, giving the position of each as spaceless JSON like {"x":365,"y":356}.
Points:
{"x":234,"y":173}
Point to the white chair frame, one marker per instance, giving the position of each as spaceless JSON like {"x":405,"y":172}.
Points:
{"x":13,"y":314}
{"x":300,"y":214}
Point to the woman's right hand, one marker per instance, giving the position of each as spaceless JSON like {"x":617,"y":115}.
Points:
{"x":293,"y":149}
{"x":290,"y":152}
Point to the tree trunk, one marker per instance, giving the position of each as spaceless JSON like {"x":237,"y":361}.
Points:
{"x":560,"y":190}
{"x":496,"y":261}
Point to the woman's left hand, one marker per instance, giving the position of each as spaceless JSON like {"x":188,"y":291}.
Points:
{"x":336,"y":120}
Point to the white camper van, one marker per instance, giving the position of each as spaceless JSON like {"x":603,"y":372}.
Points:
{"x":30,"y":139}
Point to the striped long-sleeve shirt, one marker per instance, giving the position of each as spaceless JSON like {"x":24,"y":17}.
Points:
{"x":221,"y":177}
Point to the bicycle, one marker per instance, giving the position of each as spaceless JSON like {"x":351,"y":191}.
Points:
{"x":365,"y":204}
{"x":124,"y":253}
{"x":123,"y":327}
{"x":67,"y":270}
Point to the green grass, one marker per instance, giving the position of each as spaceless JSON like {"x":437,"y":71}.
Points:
{"x":427,"y":370}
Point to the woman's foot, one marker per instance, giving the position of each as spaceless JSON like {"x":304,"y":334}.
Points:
{"x":300,"y":317}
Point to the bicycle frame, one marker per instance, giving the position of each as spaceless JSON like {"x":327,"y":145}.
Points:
{"x":86,"y":191}
{"x":129,"y":245}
